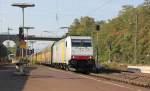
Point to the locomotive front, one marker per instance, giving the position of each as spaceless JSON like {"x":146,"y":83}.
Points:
{"x":82,"y":53}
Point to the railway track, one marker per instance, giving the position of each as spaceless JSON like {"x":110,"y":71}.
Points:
{"x":138,"y":79}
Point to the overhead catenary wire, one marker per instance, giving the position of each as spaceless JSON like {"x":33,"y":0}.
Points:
{"x":57,"y":16}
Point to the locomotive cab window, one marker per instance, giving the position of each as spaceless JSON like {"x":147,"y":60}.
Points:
{"x":86,"y":43}
{"x":81,"y":43}
{"x":76,"y":44}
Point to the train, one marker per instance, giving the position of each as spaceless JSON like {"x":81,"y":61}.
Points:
{"x":71,"y":52}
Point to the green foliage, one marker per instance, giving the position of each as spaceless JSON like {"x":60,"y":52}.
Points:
{"x":84,"y":26}
{"x":121,"y":32}
{"x":11,"y":50}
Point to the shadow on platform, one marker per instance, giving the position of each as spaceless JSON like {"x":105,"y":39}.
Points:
{"x":11,"y":82}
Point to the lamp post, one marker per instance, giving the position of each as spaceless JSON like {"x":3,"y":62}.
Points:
{"x":8,"y":44}
{"x":48,"y":32}
{"x":66,"y":28}
{"x":23,"y":6}
{"x":19,"y":66}
{"x":135,"y":40}
{"x":32,"y":42}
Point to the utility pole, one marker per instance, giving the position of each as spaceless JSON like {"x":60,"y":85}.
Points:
{"x":27,"y":28}
{"x":8,"y":45}
{"x":110,"y":48}
{"x":32,"y":42}
{"x":97,"y":48}
{"x":135,"y":40}
{"x":97,"y":53}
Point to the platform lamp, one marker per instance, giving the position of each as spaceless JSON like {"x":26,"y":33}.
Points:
{"x":67,"y":30}
{"x":22,"y":6}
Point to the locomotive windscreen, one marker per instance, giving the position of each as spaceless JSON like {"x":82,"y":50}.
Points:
{"x":81,"y":43}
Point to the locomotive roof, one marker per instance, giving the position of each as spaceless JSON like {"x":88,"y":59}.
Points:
{"x":80,"y":37}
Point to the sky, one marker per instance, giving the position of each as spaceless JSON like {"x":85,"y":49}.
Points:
{"x":50,"y":15}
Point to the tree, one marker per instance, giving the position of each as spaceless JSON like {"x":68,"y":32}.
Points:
{"x":84,"y":26}
{"x":125,"y":8}
{"x":121,"y":31}
{"x":3,"y":51}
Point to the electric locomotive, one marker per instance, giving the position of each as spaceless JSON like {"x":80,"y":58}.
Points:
{"x":74,"y":52}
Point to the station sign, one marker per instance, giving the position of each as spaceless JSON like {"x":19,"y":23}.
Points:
{"x":22,"y":44}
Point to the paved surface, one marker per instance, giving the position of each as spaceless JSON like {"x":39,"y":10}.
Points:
{"x":43,"y":78}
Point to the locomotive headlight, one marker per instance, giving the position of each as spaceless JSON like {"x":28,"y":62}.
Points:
{"x":73,"y":57}
{"x":90,"y":57}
